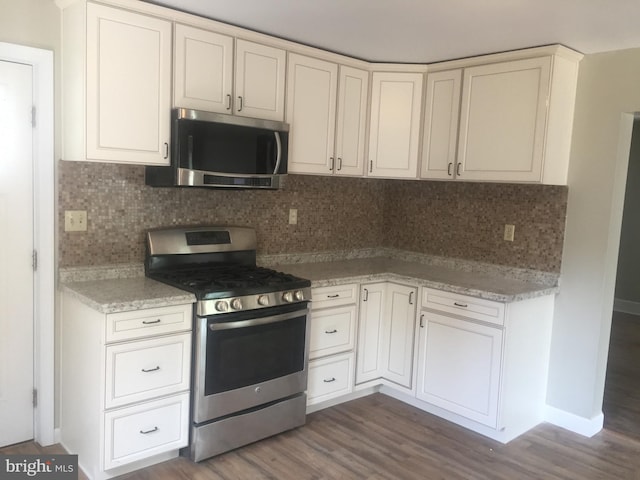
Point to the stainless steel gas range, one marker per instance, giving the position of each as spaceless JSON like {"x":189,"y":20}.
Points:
{"x":251,"y":324}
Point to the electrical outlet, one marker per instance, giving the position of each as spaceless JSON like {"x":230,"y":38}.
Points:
{"x":75,"y":221}
{"x":293,"y":216}
{"x":509,"y":232}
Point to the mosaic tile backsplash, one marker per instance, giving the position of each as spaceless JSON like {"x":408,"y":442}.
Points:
{"x":462,"y":220}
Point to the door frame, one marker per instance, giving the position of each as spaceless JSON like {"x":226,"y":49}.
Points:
{"x":44,"y":233}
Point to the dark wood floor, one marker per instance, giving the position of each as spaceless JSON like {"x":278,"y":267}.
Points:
{"x":377,"y":438}
{"x":621,"y":405}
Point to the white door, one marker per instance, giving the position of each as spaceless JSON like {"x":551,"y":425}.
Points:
{"x":353,"y":93}
{"x":400,"y":313}
{"x":311,"y":112}
{"x":16,"y":248}
{"x":370,"y":332}
{"x":395,"y":124}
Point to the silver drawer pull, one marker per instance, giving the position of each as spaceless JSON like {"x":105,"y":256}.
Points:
{"x":329,"y":380}
{"x":146,"y":322}
{"x":145,"y":370}
{"x":333,"y":296}
{"x":146,"y":432}
{"x":463,"y":305}
{"x":331,"y":331}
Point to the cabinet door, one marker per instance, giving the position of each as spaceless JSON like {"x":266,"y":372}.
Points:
{"x":128,"y":86}
{"x":203,"y":70}
{"x":459,"y":366}
{"x":311,"y":112}
{"x":400,"y":314}
{"x":395,"y":124}
{"x":259,"y":84}
{"x":503,"y":120}
{"x":353,"y":90}
{"x":441,"y":115}
{"x":370,"y":332}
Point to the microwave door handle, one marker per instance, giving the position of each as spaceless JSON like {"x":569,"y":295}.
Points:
{"x":190,"y":151}
{"x":279,"y":152}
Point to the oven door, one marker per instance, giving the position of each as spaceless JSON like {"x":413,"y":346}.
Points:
{"x":248,"y":359}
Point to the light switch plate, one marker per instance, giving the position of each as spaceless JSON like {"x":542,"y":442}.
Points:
{"x":75,"y":220}
{"x":509,"y":232}
{"x":293,"y":216}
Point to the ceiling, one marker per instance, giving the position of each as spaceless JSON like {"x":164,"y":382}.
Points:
{"x":427,"y":31}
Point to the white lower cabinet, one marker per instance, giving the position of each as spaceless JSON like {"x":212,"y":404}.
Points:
{"x":459,"y":366}
{"x":483,"y":364}
{"x":386,"y":333}
{"x":125,"y":381}
{"x":332,"y":342}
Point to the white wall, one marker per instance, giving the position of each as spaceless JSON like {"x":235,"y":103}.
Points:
{"x":608,"y":94}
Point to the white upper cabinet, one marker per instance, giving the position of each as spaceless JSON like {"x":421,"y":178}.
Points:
{"x":319,"y":141}
{"x":117,"y":85}
{"x":259,"y":84}
{"x":441,"y":113}
{"x":311,"y":113}
{"x":204,"y":77}
{"x":394,"y":132}
{"x":203,"y":70}
{"x":503,"y":119}
{"x":351,"y":124}
{"x":506,"y":121}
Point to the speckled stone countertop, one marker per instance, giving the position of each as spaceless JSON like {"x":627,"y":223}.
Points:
{"x":122,"y":294}
{"x":473,"y":283}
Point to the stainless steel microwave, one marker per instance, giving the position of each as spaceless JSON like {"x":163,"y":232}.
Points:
{"x":223,"y":151}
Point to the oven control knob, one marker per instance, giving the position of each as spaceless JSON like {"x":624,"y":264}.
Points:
{"x":299,"y":295}
{"x":263,"y":300}
{"x":287,"y":297}
{"x":222,"y":306}
{"x":236,"y":304}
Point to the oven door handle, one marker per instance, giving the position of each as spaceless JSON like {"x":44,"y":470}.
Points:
{"x":258,"y":321}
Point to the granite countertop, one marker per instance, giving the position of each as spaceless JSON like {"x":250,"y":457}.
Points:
{"x":122,"y":294}
{"x":118,"y":288}
{"x":477,"y":284}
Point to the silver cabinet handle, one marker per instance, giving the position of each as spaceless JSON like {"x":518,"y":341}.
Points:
{"x":147,"y":370}
{"x":463,"y":305}
{"x":333,"y":163}
{"x":240,"y":104}
{"x":333,"y":296}
{"x":371,"y":166}
{"x":228,"y":101}
{"x":146,"y":432}
{"x":410,"y":298}
{"x":458,"y":169}
{"x":366,"y":295}
{"x":151,"y":322}
{"x":331,"y":331}
{"x":329,"y":380}
{"x":166,"y":150}
{"x":422,"y":321}
{"x":339,"y":163}
{"x":449,"y":165}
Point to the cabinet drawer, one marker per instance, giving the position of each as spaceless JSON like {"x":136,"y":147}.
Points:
{"x":470,"y":307}
{"x":148,"y":322}
{"x":332,"y":331}
{"x":330,"y":377}
{"x":144,"y":430}
{"x":141,"y":370}
{"x":323,"y":297}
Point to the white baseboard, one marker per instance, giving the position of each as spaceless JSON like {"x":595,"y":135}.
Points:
{"x":586,"y":427}
{"x":626,"y":306}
